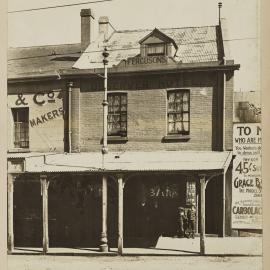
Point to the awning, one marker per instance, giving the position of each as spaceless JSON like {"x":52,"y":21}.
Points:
{"x":126,"y":161}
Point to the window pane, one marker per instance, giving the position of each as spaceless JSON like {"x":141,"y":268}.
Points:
{"x":179,"y":127}
{"x":124,"y":99}
{"x":171,"y":118}
{"x":186,"y":126}
{"x":178,"y":107}
{"x":179,"y":117}
{"x":123,"y":108}
{"x":171,"y":128}
{"x":123,"y":118}
{"x":171,"y":96}
{"x":185,"y":117}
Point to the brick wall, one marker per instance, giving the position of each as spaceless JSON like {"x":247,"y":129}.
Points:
{"x":147,"y":121}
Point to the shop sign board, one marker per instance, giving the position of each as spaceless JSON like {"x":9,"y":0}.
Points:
{"x":247,"y":181}
{"x":15,"y":166}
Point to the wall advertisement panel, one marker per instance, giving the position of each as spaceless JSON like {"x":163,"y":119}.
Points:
{"x":247,"y":181}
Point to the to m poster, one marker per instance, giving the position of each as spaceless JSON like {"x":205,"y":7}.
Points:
{"x":247,"y":181}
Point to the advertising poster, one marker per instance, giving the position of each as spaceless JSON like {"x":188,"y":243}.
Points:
{"x":247,"y":181}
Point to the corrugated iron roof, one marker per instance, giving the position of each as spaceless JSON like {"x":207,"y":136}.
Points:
{"x":195,"y":45}
{"x":129,"y":161}
{"x":42,"y":59}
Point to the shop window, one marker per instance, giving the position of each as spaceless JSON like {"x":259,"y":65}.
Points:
{"x":155,"y":49}
{"x":21,"y":127}
{"x":117,"y":114}
{"x":178,"y":116}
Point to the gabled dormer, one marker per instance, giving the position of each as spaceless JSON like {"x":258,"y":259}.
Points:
{"x":157,"y":43}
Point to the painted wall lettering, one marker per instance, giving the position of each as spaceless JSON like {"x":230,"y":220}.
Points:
{"x":46,"y":117}
{"x":21,"y":100}
{"x":40,"y":98}
{"x":163,"y":192}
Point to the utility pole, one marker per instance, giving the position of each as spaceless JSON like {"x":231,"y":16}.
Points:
{"x":104,"y":151}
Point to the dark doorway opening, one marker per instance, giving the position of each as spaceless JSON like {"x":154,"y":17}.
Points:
{"x":27,"y":213}
{"x":74,"y":211}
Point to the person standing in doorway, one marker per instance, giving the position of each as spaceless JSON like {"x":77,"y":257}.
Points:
{"x":191,"y":219}
{"x":181,"y":222}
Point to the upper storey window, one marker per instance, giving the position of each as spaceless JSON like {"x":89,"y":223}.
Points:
{"x":21,"y":127}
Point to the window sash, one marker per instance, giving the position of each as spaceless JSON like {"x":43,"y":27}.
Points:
{"x":117,"y":114}
{"x":156,"y":49}
{"x":178,"y":112}
{"x":21,"y":134}
{"x":21,"y":127}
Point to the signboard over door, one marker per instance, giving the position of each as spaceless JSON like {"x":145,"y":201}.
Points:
{"x":247,"y":182}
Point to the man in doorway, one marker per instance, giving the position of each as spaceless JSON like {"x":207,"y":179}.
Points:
{"x":181,"y":219}
{"x":191,"y":219}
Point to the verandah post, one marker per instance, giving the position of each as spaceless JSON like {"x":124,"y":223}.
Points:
{"x":202,"y":217}
{"x":10,"y":213}
{"x":104,"y":241}
{"x":45,"y":220}
{"x":120,"y":214}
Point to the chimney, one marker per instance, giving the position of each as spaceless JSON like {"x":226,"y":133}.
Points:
{"x":87,"y":16}
{"x":103,"y":29}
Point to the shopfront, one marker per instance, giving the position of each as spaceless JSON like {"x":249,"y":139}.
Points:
{"x":57,"y":199}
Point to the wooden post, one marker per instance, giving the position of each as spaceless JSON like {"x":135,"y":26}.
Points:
{"x":44,"y":193}
{"x":120,"y":214}
{"x":10,"y":213}
{"x":202,"y":217}
{"x":104,"y":241}
{"x":223,"y":234}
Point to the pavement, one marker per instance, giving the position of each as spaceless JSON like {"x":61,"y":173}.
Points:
{"x":30,"y":262}
{"x":166,"y":246}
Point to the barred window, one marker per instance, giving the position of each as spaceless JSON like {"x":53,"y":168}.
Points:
{"x":117,"y":114}
{"x":21,"y":127}
{"x":178,"y":112}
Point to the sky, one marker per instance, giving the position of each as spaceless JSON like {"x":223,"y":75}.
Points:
{"x":62,"y":25}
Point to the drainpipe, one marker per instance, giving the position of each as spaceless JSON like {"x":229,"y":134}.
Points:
{"x":70,"y":85}
{"x":223,"y":233}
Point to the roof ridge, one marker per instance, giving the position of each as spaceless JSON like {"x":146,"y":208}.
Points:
{"x":163,"y":28}
{"x":42,"y":46}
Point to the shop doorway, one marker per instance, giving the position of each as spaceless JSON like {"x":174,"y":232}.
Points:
{"x":150,"y":208}
{"x":27,"y":213}
{"x":74,"y":211}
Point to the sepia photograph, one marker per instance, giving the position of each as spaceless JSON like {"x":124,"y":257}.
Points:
{"x":134,"y":136}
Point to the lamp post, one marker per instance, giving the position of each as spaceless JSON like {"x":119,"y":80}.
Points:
{"x":104,"y":151}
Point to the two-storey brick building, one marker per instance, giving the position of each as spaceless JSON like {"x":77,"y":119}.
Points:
{"x":169,"y":134}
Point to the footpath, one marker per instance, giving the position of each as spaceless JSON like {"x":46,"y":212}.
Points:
{"x":166,"y":246}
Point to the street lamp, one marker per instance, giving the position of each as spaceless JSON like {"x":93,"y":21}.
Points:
{"x":105,"y":103}
{"x":103,"y":239}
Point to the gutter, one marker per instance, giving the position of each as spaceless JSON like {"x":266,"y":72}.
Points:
{"x":78,"y":73}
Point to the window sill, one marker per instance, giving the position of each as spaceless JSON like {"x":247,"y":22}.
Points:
{"x":176,"y":138}
{"x":19,"y":150}
{"x":116,"y":139}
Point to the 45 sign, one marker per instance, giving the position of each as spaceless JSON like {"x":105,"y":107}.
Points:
{"x":40,"y":98}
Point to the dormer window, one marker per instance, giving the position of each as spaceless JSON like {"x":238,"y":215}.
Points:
{"x":157,"y":43}
{"x":155,"y":49}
